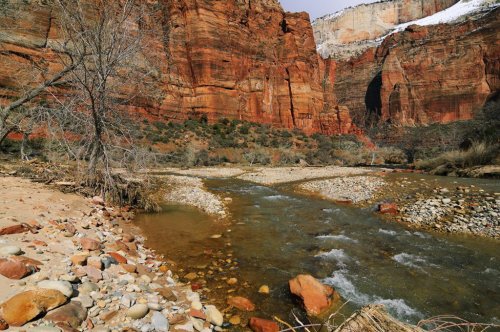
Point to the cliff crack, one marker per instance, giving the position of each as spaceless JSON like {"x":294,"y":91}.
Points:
{"x":47,"y":32}
{"x":290,"y":94}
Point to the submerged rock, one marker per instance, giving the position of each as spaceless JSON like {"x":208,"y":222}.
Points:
{"x":241,"y":303}
{"x":263,"y":325}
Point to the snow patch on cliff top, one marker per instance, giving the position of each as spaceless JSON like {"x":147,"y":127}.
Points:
{"x":451,"y":14}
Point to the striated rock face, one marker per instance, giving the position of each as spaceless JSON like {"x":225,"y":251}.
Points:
{"x":239,"y":59}
{"x":423,"y":75}
{"x":343,"y":34}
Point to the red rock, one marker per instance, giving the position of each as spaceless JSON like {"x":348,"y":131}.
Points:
{"x":241,"y":303}
{"x":119,"y":258}
{"x":388,"y":208}
{"x":267,"y":72}
{"x":16,"y":229}
{"x":196,"y":286}
{"x":23,"y":307}
{"x":15,"y":269}
{"x":263,"y":325}
{"x":26,"y":260}
{"x":90,"y":244}
{"x":399,"y":82}
{"x":197,"y":314}
{"x":39,"y":243}
{"x":316,"y":297}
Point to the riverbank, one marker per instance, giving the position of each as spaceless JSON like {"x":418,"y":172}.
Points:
{"x":69,"y":260}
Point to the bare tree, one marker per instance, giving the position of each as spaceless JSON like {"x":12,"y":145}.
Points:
{"x":94,"y":125}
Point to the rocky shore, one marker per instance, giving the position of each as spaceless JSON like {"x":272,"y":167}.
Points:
{"x":70,"y":261}
{"x":191,"y":191}
{"x":464,"y":210}
{"x":353,"y":189}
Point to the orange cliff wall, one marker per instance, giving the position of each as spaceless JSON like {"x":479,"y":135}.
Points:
{"x":424,"y":75}
{"x":238,"y":59}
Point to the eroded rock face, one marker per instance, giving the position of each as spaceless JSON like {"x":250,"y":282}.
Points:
{"x":238,"y":59}
{"x":424,"y":75}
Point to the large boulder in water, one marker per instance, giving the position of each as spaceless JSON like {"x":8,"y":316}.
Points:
{"x":317,"y":298}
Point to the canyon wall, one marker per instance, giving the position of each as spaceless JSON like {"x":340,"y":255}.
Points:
{"x":422,"y":75}
{"x":238,"y":59}
{"x":345,"y":33}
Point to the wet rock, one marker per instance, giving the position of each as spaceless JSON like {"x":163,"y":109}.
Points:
{"x":263,"y":325}
{"x":10,"y":251}
{"x":214,"y":316}
{"x":241,"y":303}
{"x":235,"y":320}
{"x":159,"y":322}
{"x":25,"y":306}
{"x":90,"y":244}
{"x":264,"y":289}
{"x":72,"y":313}
{"x":15,"y":270}
{"x":191,"y":276}
{"x":232,"y":281}
{"x":388,"y":208}
{"x":62,"y":286}
{"x":316,"y":297}
{"x":137,"y":311}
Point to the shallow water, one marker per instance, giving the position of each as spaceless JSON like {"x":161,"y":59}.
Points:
{"x":276,"y":234}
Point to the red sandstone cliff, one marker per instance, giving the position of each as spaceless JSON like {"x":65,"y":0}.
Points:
{"x":238,"y":59}
{"x":438,"y":73}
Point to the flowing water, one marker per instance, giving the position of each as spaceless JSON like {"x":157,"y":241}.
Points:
{"x":276,"y":234}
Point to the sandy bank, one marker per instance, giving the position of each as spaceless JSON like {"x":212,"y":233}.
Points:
{"x":70,"y":261}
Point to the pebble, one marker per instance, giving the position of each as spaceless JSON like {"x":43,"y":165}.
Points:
{"x":10,"y":251}
{"x":160,"y":322}
{"x":214,"y":316}
{"x":138,"y":311}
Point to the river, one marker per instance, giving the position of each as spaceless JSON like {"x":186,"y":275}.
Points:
{"x":275,"y":234}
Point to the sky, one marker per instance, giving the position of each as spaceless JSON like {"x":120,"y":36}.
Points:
{"x":318,"y":8}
